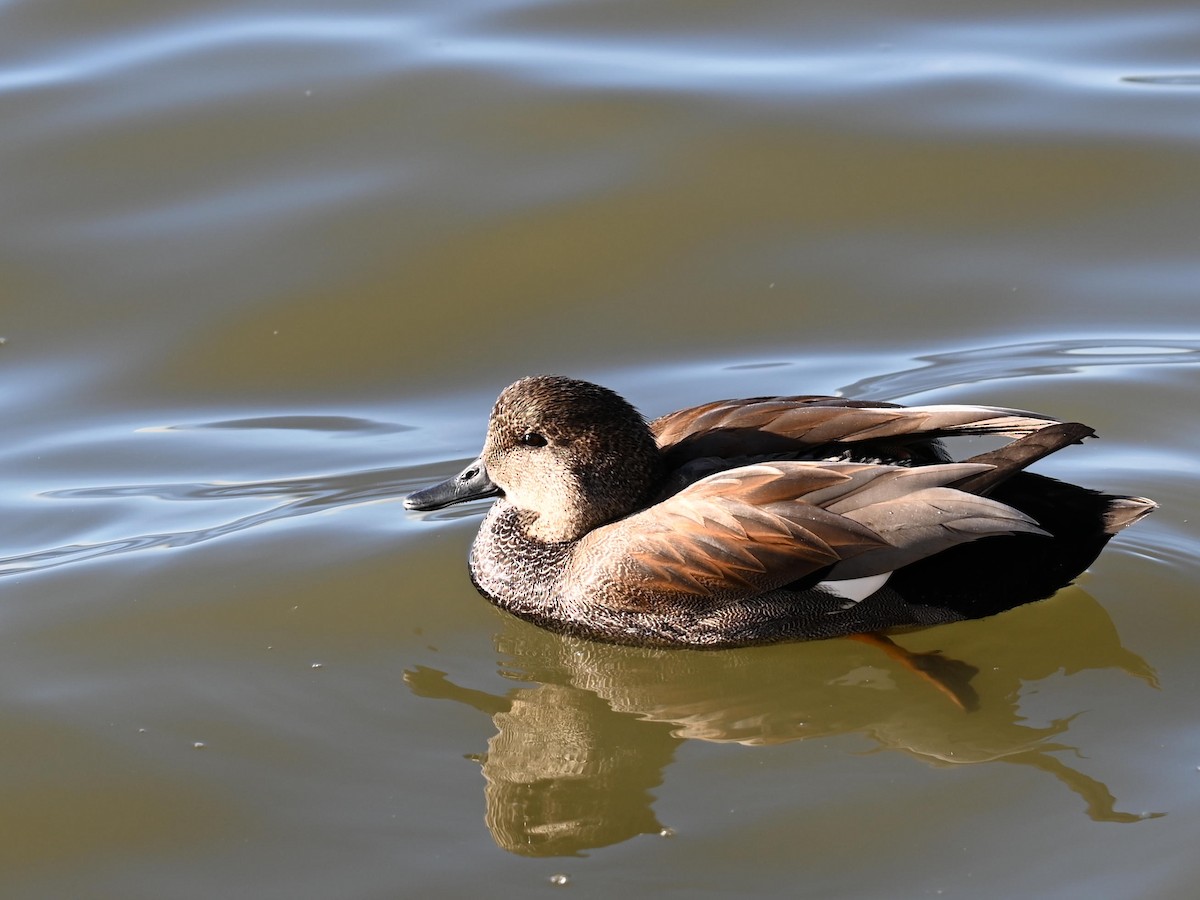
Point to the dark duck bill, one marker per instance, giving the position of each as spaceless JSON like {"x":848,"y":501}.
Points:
{"x":472,"y":483}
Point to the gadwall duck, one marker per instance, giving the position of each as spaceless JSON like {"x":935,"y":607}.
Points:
{"x":767,"y":519}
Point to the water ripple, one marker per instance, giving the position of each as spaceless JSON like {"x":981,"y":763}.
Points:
{"x":1074,"y":52}
{"x":341,"y":424}
{"x":307,"y":496}
{"x":1165,"y":80}
{"x":180,"y":39}
{"x":942,"y":370}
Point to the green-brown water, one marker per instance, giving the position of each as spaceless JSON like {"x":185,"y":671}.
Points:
{"x":264,"y":267}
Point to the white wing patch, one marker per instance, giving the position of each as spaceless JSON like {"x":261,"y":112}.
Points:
{"x":854,"y":590}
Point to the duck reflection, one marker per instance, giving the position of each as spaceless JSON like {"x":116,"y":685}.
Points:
{"x":582,"y":742}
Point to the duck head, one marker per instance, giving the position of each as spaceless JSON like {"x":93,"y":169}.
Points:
{"x":567,"y":454}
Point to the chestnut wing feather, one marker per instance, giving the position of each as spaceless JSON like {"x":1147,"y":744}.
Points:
{"x":734,"y":534}
{"x":918,"y":511}
{"x":752,"y":529}
{"x":771,"y":424}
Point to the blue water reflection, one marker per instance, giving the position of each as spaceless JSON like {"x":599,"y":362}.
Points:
{"x":288,"y":439}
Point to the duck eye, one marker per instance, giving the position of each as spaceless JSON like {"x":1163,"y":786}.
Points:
{"x":533,"y":439}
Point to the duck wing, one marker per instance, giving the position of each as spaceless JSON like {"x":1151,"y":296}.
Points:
{"x":767,"y":425}
{"x":741,"y":532}
{"x":919,"y":512}
{"x":736,"y":533}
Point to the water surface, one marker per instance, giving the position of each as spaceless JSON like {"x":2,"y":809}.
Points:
{"x":264,"y":268}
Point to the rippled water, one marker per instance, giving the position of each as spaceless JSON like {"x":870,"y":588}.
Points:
{"x":264,"y":267}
